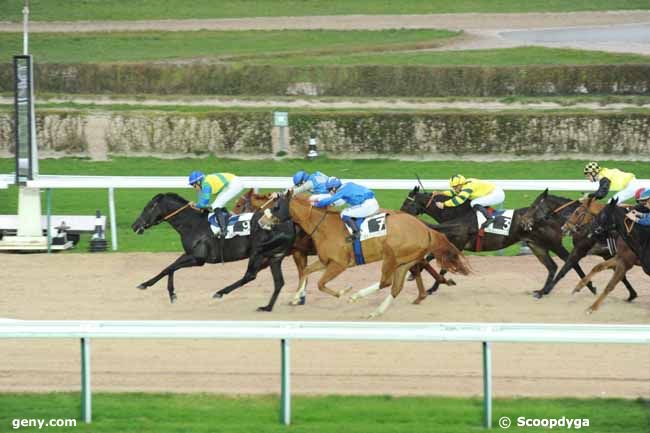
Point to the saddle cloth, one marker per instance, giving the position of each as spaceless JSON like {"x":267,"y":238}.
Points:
{"x":501,"y":224}
{"x":238,"y":225}
{"x":372,"y":226}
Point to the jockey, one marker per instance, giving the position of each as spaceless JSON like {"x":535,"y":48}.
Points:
{"x":314,"y":183}
{"x":480,"y":193}
{"x":641,"y":213}
{"x":224,"y":185}
{"x":361,"y":200}
{"x":611,"y":179}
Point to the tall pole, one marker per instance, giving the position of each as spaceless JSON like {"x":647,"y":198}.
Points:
{"x":26,"y":28}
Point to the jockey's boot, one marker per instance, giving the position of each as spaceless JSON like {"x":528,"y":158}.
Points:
{"x":350,"y":222}
{"x":489,"y":219}
{"x":222,"y":219}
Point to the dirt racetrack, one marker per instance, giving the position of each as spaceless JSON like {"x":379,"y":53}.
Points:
{"x":85,"y":286}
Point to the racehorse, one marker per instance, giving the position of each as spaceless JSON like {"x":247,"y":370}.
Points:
{"x":303,"y":247}
{"x":612,"y":219}
{"x":405,"y":244}
{"x":199,"y":243}
{"x":460,"y":225}
{"x":580,"y":214}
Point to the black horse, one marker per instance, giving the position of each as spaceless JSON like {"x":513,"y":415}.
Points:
{"x":460,"y":225}
{"x":612,"y":219}
{"x":543,"y":209}
{"x":200,"y":244}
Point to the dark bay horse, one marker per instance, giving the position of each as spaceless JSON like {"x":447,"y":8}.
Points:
{"x":460,"y":226}
{"x":611,"y":220}
{"x":199,"y":243}
{"x":578,"y":216}
{"x":406,"y":243}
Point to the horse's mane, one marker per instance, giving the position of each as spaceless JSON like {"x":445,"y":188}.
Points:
{"x":172,"y":195}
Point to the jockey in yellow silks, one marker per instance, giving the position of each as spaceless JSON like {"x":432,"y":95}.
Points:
{"x":611,"y":179}
{"x":480,"y":193}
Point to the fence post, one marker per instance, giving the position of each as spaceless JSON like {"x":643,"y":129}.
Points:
{"x":86,"y":405}
{"x":111,"y":210}
{"x":487,"y":383}
{"x":285,"y":410}
{"x":49,"y":219}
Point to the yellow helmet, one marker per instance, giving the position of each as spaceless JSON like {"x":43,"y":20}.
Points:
{"x":457,"y":179}
{"x":592,"y":168}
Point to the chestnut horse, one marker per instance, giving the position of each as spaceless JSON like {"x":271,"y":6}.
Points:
{"x":406,"y":244}
{"x":304,"y":246}
{"x":612,"y":219}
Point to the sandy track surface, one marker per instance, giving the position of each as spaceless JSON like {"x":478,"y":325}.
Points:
{"x":85,"y":286}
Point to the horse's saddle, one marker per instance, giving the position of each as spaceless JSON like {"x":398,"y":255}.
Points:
{"x":372,"y":226}
{"x":501,"y":224}
{"x":238,"y":225}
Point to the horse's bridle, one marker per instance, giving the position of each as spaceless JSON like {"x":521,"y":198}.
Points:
{"x":319,"y":222}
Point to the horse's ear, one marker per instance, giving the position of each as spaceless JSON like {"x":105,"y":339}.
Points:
{"x":613,"y":202}
{"x":249,"y":192}
{"x":545,"y":193}
{"x":416,"y":188}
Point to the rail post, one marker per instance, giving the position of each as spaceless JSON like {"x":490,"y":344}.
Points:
{"x":86,"y":395}
{"x":111,"y":210}
{"x":487,"y":383}
{"x":285,"y":410}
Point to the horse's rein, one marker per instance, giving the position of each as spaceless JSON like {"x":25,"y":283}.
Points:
{"x":319,"y":222}
{"x":429,"y":202}
{"x":564,"y":206}
{"x":180,"y":209}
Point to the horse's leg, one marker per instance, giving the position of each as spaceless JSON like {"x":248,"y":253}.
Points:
{"x":564,"y":254}
{"x":278,"y":283}
{"x":254,"y":265}
{"x":436,"y":285}
{"x":619,"y":273}
{"x":630,"y":289}
{"x":422,"y":293}
{"x":364,"y":292}
{"x":300,"y":259}
{"x":607,"y":264}
{"x":398,"y":277}
{"x":544,"y":258}
{"x":332,"y":270}
{"x":576,"y":255}
{"x":183,"y":261}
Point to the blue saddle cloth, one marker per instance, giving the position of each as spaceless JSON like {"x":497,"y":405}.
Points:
{"x":356,"y":245}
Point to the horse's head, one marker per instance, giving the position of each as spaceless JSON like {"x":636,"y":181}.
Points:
{"x":582,"y":216}
{"x":540,"y":210}
{"x":604,"y":222}
{"x":157,"y":210}
{"x":410,"y":204}
{"x":277,"y":213}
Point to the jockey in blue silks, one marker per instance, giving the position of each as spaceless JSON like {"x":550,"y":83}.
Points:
{"x":315,"y":183}
{"x":641,"y":212}
{"x":362,"y":202}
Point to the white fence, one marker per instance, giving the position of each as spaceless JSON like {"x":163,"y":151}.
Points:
{"x":165,"y":182}
{"x":485,"y":333}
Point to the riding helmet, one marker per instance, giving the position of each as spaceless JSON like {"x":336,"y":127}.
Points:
{"x":195,"y":177}
{"x":592,"y":168}
{"x":300,"y":177}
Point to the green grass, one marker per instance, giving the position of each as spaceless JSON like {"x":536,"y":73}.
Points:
{"x":59,"y":10}
{"x":129,"y":202}
{"x":198,"y":413}
{"x":149,"y":46}
{"x":496,"y":57}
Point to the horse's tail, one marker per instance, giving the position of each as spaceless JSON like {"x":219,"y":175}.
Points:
{"x":447,"y":255}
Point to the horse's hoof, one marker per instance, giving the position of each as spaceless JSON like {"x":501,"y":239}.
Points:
{"x":593,"y":291}
{"x":172,"y":298}
{"x":303,"y":300}
{"x":265,"y":308}
{"x":346,"y":290}
{"x":217,"y":295}
{"x":589,"y":311}
{"x":417,"y":301}
{"x":631,"y":298}
{"x":451,"y":282}
{"x":431,"y":291}
{"x":142,"y":287}
{"x":537,"y":294}
{"x":411,"y":277}
{"x":352,"y":299}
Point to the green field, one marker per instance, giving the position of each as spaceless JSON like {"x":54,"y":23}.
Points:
{"x":198,"y":413}
{"x":129,"y":202}
{"x":495,"y":57}
{"x":149,"y":46}
{"x":59,"y":10}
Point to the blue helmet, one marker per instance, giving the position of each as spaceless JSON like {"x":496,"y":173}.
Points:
{"x":196,"y":176}
{"x":333,"y":183}
{"x":300,"y":177}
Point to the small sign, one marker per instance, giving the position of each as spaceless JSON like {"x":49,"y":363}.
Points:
{"x":280,"y":118}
